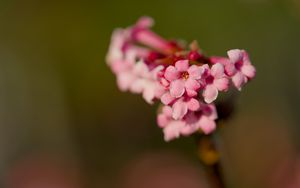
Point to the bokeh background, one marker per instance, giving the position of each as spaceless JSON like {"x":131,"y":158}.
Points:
{"x":64,"y":124}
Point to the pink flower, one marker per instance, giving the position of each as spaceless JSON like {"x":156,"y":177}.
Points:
{"x":183,"y":78}
{"x":171,"y":127}
{"x":123,"y":70}
{"x":146,"y":82}
{"x":203,"y":119}
{"x":118,"y":39}
{"x":215,"y":80}
{"x":242,"y":69}
{"x":181,"y":107}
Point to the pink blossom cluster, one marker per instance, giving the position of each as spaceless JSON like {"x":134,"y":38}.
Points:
{"x":185,"y":80}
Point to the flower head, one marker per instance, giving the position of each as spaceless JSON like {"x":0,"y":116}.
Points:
{"x":186,"y":81}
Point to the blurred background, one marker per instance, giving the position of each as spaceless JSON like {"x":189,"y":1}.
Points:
{"x":64,"y":123}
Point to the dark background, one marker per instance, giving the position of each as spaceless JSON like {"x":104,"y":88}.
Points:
{"x":59,"y":100}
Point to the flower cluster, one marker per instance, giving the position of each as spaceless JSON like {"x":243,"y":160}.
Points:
{"x":185,"y":80}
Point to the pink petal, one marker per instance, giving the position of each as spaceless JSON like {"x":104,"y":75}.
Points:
{"x":137,"y":86}
{"x":149,"y":93}
{"x":192,"y":84}
{"x":190,"y":126}
{"x":171,"y":73}
{"x":180,"y":108}
{"x":246,"y":58}
{"x":145,"y":22}
{"x":210,"y":93}
{"x":207,"y":125}
{"x":172,"y":130}
{"x":162,"y":120}
{"x":159,"y":90}
{"x":222,"y":60}
{"x":206,"y":70}
{"x":230,"y":69}
{"x":217,"y":70}
{"x":124,"y":81}
{"x":177,"y":88}
{"x":235,"y":55}
{"x":182,"y":65}
{"x":193,"y":104}
{"x":191,"y":93}
{"x":221,"y":84}
{"x":248,"y":70}
{"x":210,"y":111}
{"x":140,"y":69}
{"x":188,"y":130}
{"x":195,"y":72}
{"x":168,"y":111}
{"x":167,"y":98}
{"x":164,"y":82}
{"x":238,"y":80}
{"x":155,"y":72}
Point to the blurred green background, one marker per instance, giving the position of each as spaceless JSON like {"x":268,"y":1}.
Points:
{"x":58,"y":97}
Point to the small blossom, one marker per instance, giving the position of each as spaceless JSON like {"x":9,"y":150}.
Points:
{"x":146,"y":82}
{"x":215,"y":80}
{"x":242,"y":68}
{"x":171,"y":127}
{"x":183,"y":78}
{"x":181,"y":107}
{"x":204,"y":119}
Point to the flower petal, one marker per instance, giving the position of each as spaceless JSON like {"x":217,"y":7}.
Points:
{"x":182,"y":65}
{"x":210,"y":93}
{"x":149,"y":93}
{"x":221,"y":84}
{"x":195,"y":72}
{"x":162,"y":120}
{"x":125,"y":80}
{"x":171,"y":73}
{"x":180,"y":108}
{"x":168,"y":111}
{"x":207,"y":125}
{"x":137,"y":86}
{"x":249,"y":70}
{"x":177,"y":88}
{"x":172,"y":130}
{"x":141,"y":69}
{"x":167,"y":98}
{"x":238,"y":80}
{"x":192,"y":84}
{"x":230,"y":69}
{"x":145,"y":22}
{"x":217,"y":70}
{"x":210,"y":111}
{"x":191,"y":93}
{"x":235,"y":55}
{"x":193,"y":104}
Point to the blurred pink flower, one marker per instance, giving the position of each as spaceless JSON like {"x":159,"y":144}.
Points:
{"x":145,"y":82}
{"x":204,"y":120}
{"x":193,"y":121}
